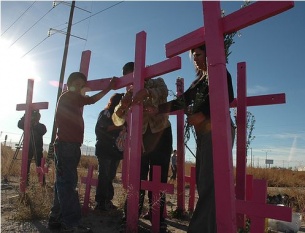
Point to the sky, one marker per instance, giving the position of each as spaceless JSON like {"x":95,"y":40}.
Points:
{"x":272,"y":49}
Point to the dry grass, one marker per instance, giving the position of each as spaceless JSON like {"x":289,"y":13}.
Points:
{"x":37,"y":201}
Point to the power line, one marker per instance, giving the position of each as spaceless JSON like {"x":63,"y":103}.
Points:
{"x":18,"y":18}
{"x":31,"y":26}
{"x":35,"y":46}
{"x":98,"y":12}
{"x":72,"y":25}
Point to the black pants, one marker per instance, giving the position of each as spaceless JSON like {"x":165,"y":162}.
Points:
{"x":106,"y":173}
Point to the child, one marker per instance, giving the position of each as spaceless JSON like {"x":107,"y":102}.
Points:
{"x":66,"y":210}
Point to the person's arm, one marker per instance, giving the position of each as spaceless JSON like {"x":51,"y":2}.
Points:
{"x":120,"y":111}
{"x":102,"y":93}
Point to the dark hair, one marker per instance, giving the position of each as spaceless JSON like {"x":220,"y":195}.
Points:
{"x":114,"y":101}
{"x":76,"y":75}
{"x":202,"y":47}
{"x":128,"y":67}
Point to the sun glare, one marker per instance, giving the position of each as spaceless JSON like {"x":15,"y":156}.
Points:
{"x":14,"y":72}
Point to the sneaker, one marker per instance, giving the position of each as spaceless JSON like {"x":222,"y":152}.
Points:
{"x":54,"y":223}
{"x":78,"y":229}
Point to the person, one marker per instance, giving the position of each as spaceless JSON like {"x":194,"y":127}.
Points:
{"x":66,"y":211}
{"x":108,"y":162}
{"x":156,"y":137}
{"x":174,"y":165}
{"x":37,"y":130}
{"x":195,"y":102}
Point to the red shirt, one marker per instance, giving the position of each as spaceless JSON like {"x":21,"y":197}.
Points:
{"x":69,"y":116}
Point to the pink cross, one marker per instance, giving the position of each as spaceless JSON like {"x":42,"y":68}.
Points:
{"x":28,"y":107}
{"x":192,"y":181}
{"x":180,"y":149}
{"x":133,"y":154}
{"x":212,"y":34}
{"x":258,"y":210}
{"x":155,"y":186}
{"x":241,"y":103}
{"x":89,"y":181}
{"x":42,"y":170}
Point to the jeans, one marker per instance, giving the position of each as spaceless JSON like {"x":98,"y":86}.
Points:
{"x":66,"y":205}
{"x":106,"y":173}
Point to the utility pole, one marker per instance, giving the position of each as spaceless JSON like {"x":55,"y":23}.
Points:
{"x":62,"y":75}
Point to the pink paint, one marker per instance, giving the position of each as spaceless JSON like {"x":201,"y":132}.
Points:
{"x":28,"y":107}
{"x":212,"y":35}
{"x":155,"y":186}
{"x":192,"y":181}
{"x":89,"y":181}
{"x":42,"y":170}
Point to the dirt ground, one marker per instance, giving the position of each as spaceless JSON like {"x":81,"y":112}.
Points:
{"x":106,"y":222}
{"x":98,"y":221}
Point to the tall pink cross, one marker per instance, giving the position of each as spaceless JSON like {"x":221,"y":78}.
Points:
{"x":212,"y":35}
{"x":241,"y":102}
{"x":28,"y":107}
{"x":136,"y":78}
{"x":156,"y":187}
{"x":180,"y":150}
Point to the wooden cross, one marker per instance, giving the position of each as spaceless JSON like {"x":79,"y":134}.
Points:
{"x":156,"y":187}
{"x":258,"y":210}
{"x":241,"y":103}
{"x":180,"y":150}
{"x":28,"y":107}
{"x":192,"y":181}
{"x":212,"y":35}
{"x":136,"y":78}
{"x":89,"y":181}
{"x":42,"y":170}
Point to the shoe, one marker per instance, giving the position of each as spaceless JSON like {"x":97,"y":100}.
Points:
{"x":78,"y":229}
{"x":54,"y":223}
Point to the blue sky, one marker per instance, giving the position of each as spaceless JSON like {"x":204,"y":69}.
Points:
{"x":273,"y":50}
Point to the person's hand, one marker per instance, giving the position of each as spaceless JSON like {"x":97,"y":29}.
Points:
{"x":151,"y":110}
{"x":126,"y":100}
{"x":195,"y":119}
{"x":112,"y":82}
{"x":140,"y":96}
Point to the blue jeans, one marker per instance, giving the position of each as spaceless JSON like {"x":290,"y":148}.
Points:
{"x":66,"y":206}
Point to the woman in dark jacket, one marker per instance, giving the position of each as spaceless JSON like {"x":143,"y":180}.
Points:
{"x":107,"y":153}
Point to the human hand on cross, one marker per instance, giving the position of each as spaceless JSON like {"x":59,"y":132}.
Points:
{"x":151,"y":110}
{"x":112,"y":83}
{"x":140,"y":96}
